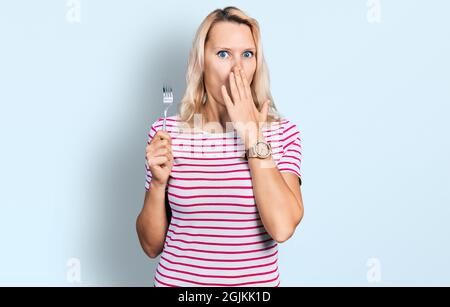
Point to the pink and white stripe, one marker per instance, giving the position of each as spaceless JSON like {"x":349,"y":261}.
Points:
{"x":216,"y":237}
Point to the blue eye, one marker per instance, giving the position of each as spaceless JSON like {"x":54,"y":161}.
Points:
{"x":247,"y":54}
{"x":221,"y":51}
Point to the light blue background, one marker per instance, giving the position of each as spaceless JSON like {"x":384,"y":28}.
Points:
{"x":371,"y":100}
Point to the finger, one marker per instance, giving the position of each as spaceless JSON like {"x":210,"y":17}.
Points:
{"x":156,"y":145}
{"x":239,"y":83}
{"x":160,"y":152}
{"x":154,"y":161}
{"x":233,"y":89}
{"x":226,"y":98}
{"x":170,"y":156}
{"x":161,"y":143}
{"x":248,"y":91}
{"x":162,"y":135}
{"x":148,"y":147}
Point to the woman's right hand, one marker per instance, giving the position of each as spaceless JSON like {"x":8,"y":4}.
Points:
{"x":159,"y":157}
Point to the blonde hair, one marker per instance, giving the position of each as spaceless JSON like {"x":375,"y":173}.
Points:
{"x":195,"y":93}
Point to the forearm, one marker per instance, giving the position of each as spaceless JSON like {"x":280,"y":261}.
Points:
{"x":277,"y":205}
{"x":151,"y":224}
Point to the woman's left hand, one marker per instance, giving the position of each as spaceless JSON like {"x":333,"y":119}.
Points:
{"x":247,"y":120}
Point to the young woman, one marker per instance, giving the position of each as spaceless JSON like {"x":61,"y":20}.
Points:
{"x":223,"y":180}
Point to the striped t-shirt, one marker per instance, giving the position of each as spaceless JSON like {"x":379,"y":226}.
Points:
{"x":215,"y":236}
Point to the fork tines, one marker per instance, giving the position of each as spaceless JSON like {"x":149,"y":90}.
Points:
{"x":167,"y":94}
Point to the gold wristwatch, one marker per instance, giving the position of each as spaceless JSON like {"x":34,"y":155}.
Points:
{"x":260,"y":150}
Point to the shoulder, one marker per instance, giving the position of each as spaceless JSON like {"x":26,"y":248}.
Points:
{"x":170,"y":120}
{"x":283,"y":125}
{"x":289,"y":126}
{"x":171,"y":124}
{"x":289,"y":132}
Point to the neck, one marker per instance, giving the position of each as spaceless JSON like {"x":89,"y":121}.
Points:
{"x":216,"y":112}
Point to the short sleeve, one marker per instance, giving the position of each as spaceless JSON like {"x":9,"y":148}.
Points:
{"x":153,"y":129}
{"x":291,"y":157}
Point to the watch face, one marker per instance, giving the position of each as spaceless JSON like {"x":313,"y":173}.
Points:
{"x":262,"y":149}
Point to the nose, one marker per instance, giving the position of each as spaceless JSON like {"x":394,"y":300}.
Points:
{"x":237,"y":64}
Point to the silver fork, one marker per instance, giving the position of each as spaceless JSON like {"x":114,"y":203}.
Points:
{"x":167,"y":100}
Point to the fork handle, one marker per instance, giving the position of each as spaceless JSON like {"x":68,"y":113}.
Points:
{"x":164,"y":124}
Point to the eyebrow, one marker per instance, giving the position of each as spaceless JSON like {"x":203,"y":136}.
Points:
{"x":251,"y":48}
